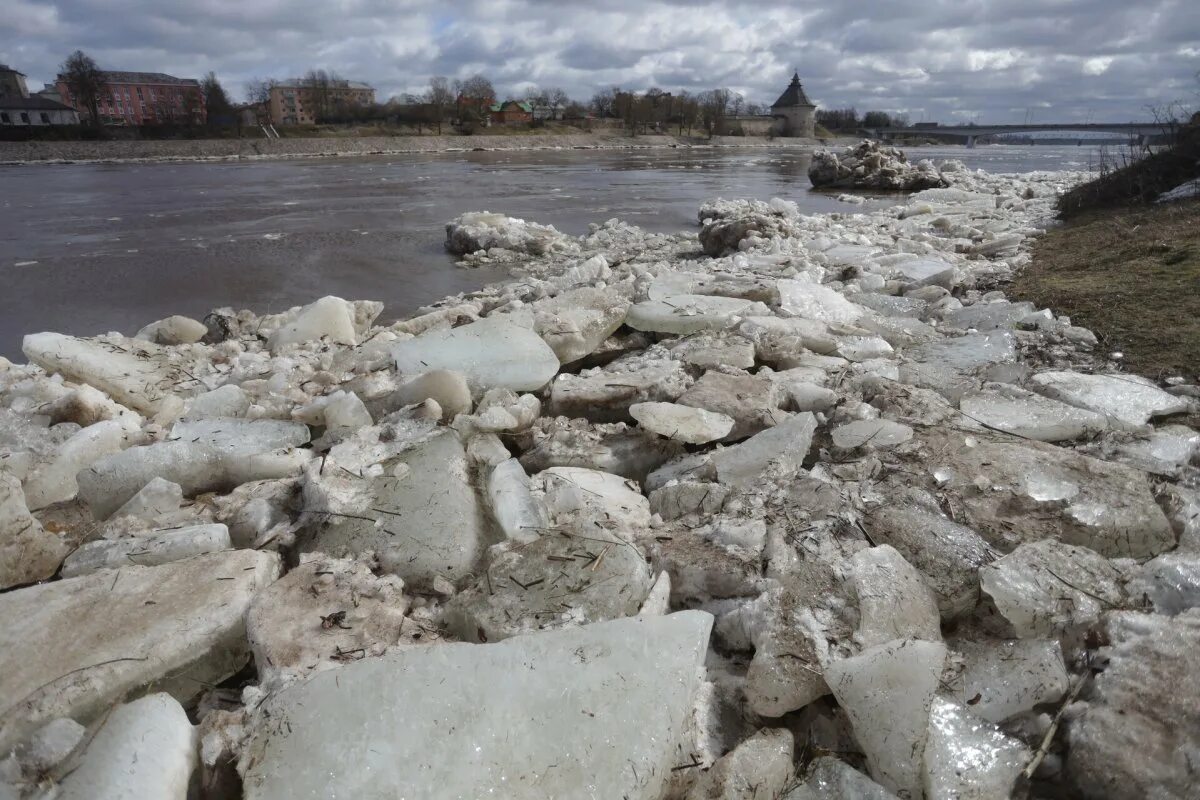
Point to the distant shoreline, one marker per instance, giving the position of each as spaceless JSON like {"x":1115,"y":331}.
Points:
{"x":167,"y":151}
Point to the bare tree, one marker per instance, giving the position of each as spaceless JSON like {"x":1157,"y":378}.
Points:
{"x":557,"y":97}
{"x":319,"y":85}
{"x":714,"y":107}
{"x":258,"y":90}
{"x":86,"y":82}
{"x":216,"y":102}
{"x":476,"y":88}
{"x":604,"y":101}
{"x":439,"y":97}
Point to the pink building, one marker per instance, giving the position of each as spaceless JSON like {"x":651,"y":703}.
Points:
{"x":143,"y":98}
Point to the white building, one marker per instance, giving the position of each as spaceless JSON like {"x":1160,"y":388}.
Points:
{"x":21,"y":110}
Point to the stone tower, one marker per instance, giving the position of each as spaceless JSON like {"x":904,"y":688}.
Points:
{"x":793,"y":111}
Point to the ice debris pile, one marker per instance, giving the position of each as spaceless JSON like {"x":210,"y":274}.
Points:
{"x":819,"y":514}
{"x":870,"y":165}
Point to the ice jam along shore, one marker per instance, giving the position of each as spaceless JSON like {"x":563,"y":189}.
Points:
{"x":792,"y":507}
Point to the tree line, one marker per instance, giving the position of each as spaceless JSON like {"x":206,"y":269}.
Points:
{"x":847,"y":119}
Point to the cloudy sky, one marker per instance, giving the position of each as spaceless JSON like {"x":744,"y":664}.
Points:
{"x":984,"y":60}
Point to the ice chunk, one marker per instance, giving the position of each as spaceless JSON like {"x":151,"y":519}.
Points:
{"x":948,"y":365}
{"x":987,"y":316}
{"x":926,"y":272}
{"x":1045,"y":588}
{"x":553,"y":582}
{"x":111,"y":481}
{"x":830,"y":778}
{"x":575,"y":490}
{"x":679,"y":498}
{"x":1164,"y":450}
{"x":967,"y":757}
{"x":1128,"y":400}
{"x":1001,"y":679}
{"x":658,"y":600}
{"x":875,"y":433}
{"x":887,"y":691}
{"x":241,"y":437}
{"x":488,"y":353}
{"x":813,"y":301}
{"x":947,"y":554}
{"x":162,"y":547}
{"x":1013,"y":410}
{"x":520,"y":516}
{"x":626,"y":451}
{"x":329,"y":318}
{"x":691,"y":313}
{"x":177,"y":627}
{"x":575,"y":323}
{"x":761,"y":766}
{"x":684,"y":423}
{"x":448,"y":388}
{"x":484,"y":230}
{"x":1171,"y":581}
{"x":28,"y":552}
{"x":1137,"y":734}
{"x":136,"y":376}
{"x":788,"y":442}
{"x":890,"y":306}
{"x":1013,"y":492}
{"x":708,"y":351}
{"x":156,"y":498}
{"x":753,"y":402}
{"x":54,"y":481}
{"x":340,"y":413}
{"x":605,"y":395}
{"x":146,"y":748}
{"x":601,"y":707}
{"x":173,"y":330}
{"x":35,"y":759}
{"x":324,"y":612}
{"x":418,"y":512}
{"x":893,"y":600}
{"x":229,"y":400}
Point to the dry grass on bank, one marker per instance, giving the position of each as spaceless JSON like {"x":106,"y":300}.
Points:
{"x":1132,"y":275}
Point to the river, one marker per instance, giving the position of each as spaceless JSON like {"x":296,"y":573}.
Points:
{"x":88,"y":248}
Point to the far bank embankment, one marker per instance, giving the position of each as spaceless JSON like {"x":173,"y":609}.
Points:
{"x":236,"y":149}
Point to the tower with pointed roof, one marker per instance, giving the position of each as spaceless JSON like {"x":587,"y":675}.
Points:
{"x":794,"y":113}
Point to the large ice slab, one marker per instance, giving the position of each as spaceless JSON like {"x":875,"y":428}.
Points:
{"x":788,"y":441}
{"x":147,"y":551}
{"x":1130,"y":400}
{"x":894,"y":601}
{"x":830,"y":778}
{"x":683,"y":423}
{"x":489,"y":353}
{"x":1003,"y":678}
{"x":1045,"y":588}
{"x":135,"y":375}
{"x":54,"y":481}
{"x":691,"y":313}
{"x":813,"y":301}
{"x":330,"y":318}
{"x":80,"y":644}
{"x":146,"y":748}
{"x":28,"y":552}
{"x":887,"y":691}
{"x":1013,"y":410}
{"x":596,"y":710}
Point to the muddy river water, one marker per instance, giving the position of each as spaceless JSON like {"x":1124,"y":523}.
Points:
{"x":87,"y":248}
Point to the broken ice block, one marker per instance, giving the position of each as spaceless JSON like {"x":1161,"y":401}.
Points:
{"x":177,"y":627}
{"x":1136,"y":735}
{"x":684,"y":423}
{"x":146,"y":748}
{"x":324,"y":612}
{"x":543,"y":715}
{"x":605,"y":395}
{"x":1013,"y":410}
{"x":161,"y":547}
{"x":520,"y":516}
{"x":156,"y":498}
{"x":173,"y":330}
{"x":419,"y":513}
{"x":813,"y":301}
{"x":875,"y":433}
{"x":1129,"y":400}
{"x":241,"y":437}
{"x":789,"y":441}
{"x":556,"y":581}
{"x":329,"y":318}
{"x":1046,"y":587}
{"x":968,"y":757}
{"x":54,"y":481}
{"x":753,"y":402}
{"x":1001,"y":679}
{"x":28,"y":552}
{"x":135,"y":374}
{"x":947,"y":554}
{"x":887,"y":691}
{"x":229,"y":400}
{"x":489,"y":353}
{"x":1171,"y":581}
{"x":691,"y":313}
{"x":574,"y":323}
{"x":759,"y":766}
{"x":831,"y":778}
{"x":602,"y":495}
{"x":893,"y":600}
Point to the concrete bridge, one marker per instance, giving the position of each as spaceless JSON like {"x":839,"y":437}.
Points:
{"x":1141,"y":132}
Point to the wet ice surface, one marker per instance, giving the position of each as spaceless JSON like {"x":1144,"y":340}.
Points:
{"x":356,"y":227}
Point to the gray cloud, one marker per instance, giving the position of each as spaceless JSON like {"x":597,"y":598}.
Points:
{"x":989,"y":60}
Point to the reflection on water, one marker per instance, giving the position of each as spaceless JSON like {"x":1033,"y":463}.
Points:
{"x":91,"y":248}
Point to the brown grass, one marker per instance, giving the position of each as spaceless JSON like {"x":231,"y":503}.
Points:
{"x":1132,"y":275}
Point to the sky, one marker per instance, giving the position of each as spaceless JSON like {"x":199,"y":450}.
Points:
{"x":991,"y":61}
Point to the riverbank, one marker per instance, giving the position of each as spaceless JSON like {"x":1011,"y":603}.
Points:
{"x":46,"y":152}
{"x":1132,"y":275}
{"x":785,"y":499}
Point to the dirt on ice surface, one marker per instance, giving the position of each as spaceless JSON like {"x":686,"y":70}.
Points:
{"x":790,"y":506}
